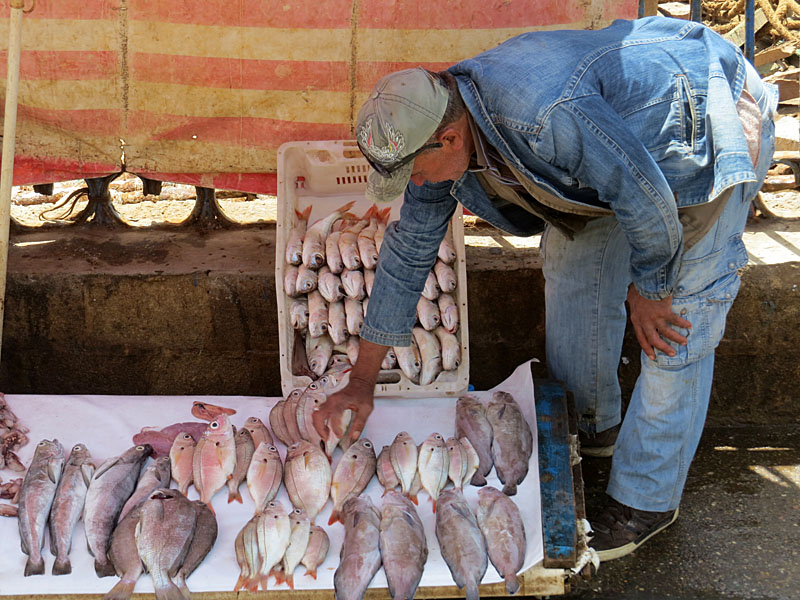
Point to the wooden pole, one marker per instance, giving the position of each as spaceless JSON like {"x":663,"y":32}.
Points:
{"x":9,"y":135}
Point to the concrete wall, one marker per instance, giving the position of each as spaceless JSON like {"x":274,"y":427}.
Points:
{"x":90,"y":311}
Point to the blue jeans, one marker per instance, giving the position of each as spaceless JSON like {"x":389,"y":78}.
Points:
{"x":586,"y":284}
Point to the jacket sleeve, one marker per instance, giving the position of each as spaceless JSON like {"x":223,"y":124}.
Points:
{"x":601,"y":152}
{"x":407,"y":254}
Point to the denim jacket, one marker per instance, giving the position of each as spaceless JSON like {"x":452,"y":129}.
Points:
{"x":639,"y":118}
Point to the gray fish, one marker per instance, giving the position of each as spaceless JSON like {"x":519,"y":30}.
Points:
{"x":461,"y":542}
{"x":404,"y":549}
{"x":68,"y":505}
{"x":316,"y":550}
{"x":513,"y":441}
{"x":205,"y":534}
{"x":245,"y":447}
{"x":156,"y":475}
{"x":471,"y":422}
{"x":163,"y":536}
{"x":111,"y":486}
{"x":501,"y":523}
{"x":124,"y":555}
{"x":35,"y":500}
{"x":360,"y":557}
{"x":352,"y":475}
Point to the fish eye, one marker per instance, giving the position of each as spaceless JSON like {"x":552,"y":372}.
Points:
{"x":43,"y":443}
{"x":186,"y":436}
{"x":272,"y":449}
{"x":139,"y":448}
{"x":214,"y":425}
{"x":313,"y":385}
{"x":297,"y":511}
{"x":78,"y":447}
{"x":367,"y":445}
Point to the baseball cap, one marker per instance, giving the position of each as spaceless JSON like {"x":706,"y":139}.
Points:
{"x":402,"y":112}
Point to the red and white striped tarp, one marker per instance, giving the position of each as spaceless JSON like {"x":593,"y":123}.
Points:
{"x":205,"y":91}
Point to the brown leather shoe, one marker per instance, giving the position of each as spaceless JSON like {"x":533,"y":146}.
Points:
{"x":598,"y":444}
{"x":620,"y":529}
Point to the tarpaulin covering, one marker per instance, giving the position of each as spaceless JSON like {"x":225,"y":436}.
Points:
{"x":205,"y":91}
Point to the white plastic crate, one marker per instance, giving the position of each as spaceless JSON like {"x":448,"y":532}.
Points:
{"x":325,"y":175}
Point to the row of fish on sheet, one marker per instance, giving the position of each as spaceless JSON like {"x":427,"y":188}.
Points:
{"x":59,"y":491}
{"x":395,"y":538}
{"x":328,"y":276}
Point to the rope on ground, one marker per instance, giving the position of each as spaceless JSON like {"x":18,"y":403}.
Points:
{"x":783,"y":16}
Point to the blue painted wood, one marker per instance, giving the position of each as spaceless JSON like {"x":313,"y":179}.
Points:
{"x":555,"y":475}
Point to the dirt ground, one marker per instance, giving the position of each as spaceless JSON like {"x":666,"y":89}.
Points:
{"x":175,"y":204}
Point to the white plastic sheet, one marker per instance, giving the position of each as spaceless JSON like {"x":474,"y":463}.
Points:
{"x":106,"y":425}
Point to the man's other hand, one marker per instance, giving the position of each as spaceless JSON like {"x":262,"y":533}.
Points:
{"x":652,"y":322}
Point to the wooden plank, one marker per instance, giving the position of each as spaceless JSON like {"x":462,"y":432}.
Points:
{"x":555,"y":475}
{"x":774,"y":53}
{"x":737,"y":34}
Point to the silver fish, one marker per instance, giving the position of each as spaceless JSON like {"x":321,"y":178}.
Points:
{"x":431,"y":290}
{"x":348,"y":245}
{"x":332,"y":255}
{"x":353,"y":282}
{"x":471,"y":422}
{"x":307,"y":280}
{"x":366,"y":243}
{"x":68,"y":505}
{"x":246,"y":546}
{"x":445,"y":275}
{"x":274,"y":531}
{"x":205,"y":535}
{"x":472,"y":460}
{"x":298,"y":313}
{"x":353,"y":345}
{"x":330,"y":285}
{"x":447,"y":250}
{"x":512,"y":445}
{"x":35,"y":500}
{"x":294,"y":243}
{"x":458,"y":462}
{"x":428,"y":314}
{"x":124,"y":555}
{"x":352,"y":475}
{"x":337,"y":322}
{"x":369,"y":280}
{"x":317,"y":314}
{"x":450,"y":349}
{"x":181,"y":457}
{"x":111,"y":486}
{"x":404,"y":455}
{"x":433,"y":465}
{"x":354,"y":315}
{"x":310,"y":400}
{"x":385,"y":471}
{"x":316,"y":550}
{"x":390,"y":360}
{"x":290,"y":281}
{"x":448,"y":311}
{"x":156,"y":475}
{"x":264,"y":475}
{"x":360,"y":557}
{"x":290,"y":415}
{"x":278,"y":424}
{"x":408,"y":360}
{"x":461,"y":542}
{"x":258,"y":431}
{"x":298,"y":543}
{"x":166,"y":526}
{"x":404,"y":548}
{"x":430,"y":354}
{"x":245,"y":447}
{"x":501,"y":523}
{"x":314,"y":240}
{"x":319,"y":351}
{"x":307,"y":475}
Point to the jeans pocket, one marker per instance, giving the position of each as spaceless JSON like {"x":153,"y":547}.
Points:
{"x":707,"y":312}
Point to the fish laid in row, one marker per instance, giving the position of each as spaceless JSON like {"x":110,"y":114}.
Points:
{"x":360,"y":556}
{"x":512,"y":441}
{"x":404,"y":548}
{"x":461,"y":542}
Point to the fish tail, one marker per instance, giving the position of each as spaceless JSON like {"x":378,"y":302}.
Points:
{"x":240,"y":583}
{"x":169,"y":591}
{"x":512,"y":583}
{"x":413,"y":498}
{"x":234,"y":495}
{"x":434,"y":505}
{"x":473,"y":593}
{"x":122,"y":591}
{"x":311,"y":572}
{"x":104,"y":569}
{"x":289,"y":580}
{"x":510,"y":489}
{"x":334,"y":517}
{"x":34,"y":567}
{"x":183,"y":488}
{"x":62,"y":567}
{"x":180,"y":582}
{"x":278,"y":575}
{"x":478,"y":480}
{"x":264,"y":580}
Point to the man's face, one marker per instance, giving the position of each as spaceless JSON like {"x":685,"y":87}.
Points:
{"x":439,"y":164}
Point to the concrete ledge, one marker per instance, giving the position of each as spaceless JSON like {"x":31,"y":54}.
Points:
{"x":92,"y":311}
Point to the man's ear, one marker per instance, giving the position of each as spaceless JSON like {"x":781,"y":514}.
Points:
{"x":452,"y":138}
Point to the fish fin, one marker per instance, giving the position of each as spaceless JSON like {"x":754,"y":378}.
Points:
{"x":473,"y":593}
{"x":306,"y":460}
{"x":278,"y":575}
{"x":104,"y":569}
{"x":234,"y":495}
{"x":123,"y":590}
{"x":87,"y":470}
{"x":413,"y":498}
{"x":434,"y":505}
{"x":289,"y":580}
{"x":510,"y":489}
{"x":62,"y":567}
{"x":334,"y":518}
{"x":169,"y":591}
{"x":512,"y":583}
{"x":34,"y":568}
{"x":478,"y":480}
{"x":105,"y":467}
{"x":304,"y":214}
{"x":264,"y":580}
{"x":311,"y":573}
{"x":240,"y":583}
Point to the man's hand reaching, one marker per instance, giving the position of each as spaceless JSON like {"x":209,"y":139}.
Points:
{"x":652,"y":322}
{"x":357,"y":397}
